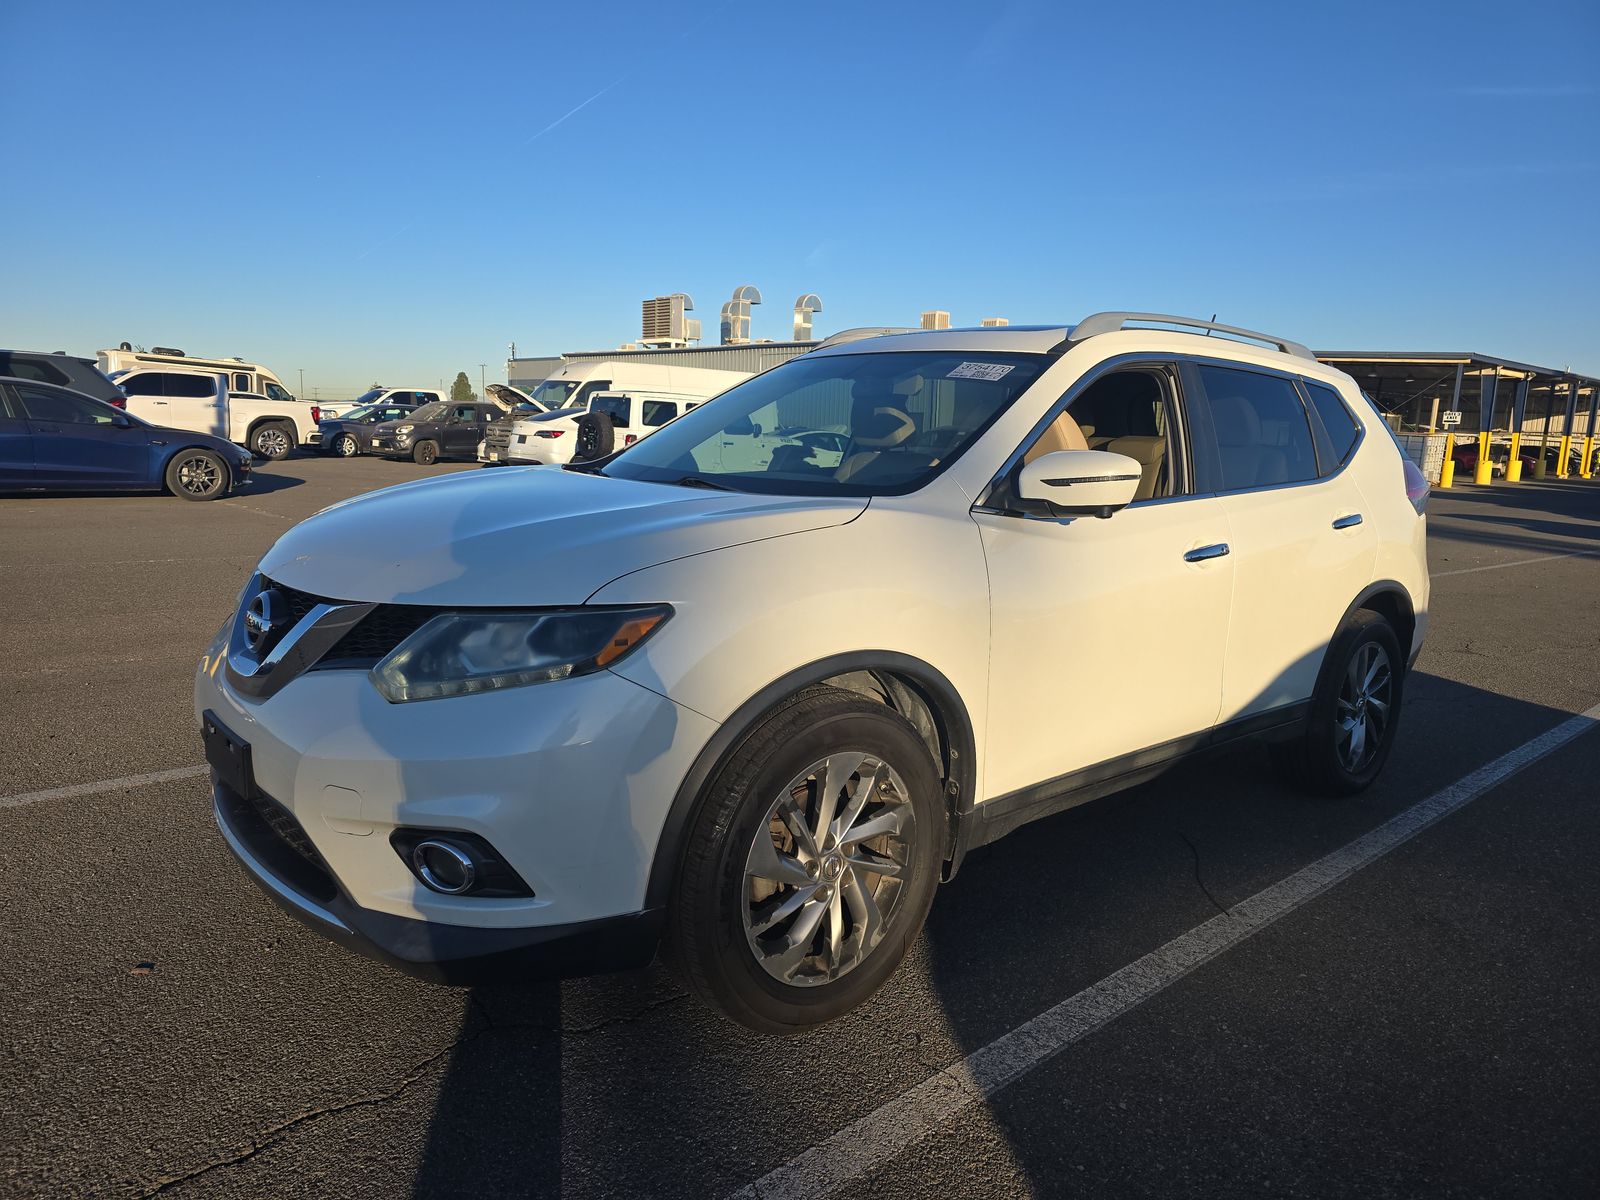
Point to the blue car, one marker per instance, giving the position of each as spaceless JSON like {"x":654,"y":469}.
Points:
{"x":56,"y":439}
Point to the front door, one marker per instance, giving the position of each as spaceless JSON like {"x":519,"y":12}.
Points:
{"x":76,"y":441}
{"x":1107,"y":636}
{"x":462,"y":431}
{"x":16,"y":446}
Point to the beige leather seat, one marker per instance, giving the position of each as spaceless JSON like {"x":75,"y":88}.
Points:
{"x":879,"y":422}
{"x":1148,"y":452}
{"x":1061,"y":434}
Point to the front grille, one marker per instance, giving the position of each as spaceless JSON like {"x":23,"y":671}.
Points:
{"x":273,"y":836}
{"x":380,"y":631}
{"x":498,"y":436}
{"x":373,"y":637}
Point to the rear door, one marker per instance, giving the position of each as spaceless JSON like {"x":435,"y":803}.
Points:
{"x":77,"y":442}
{"x":1301,"y":544}
{"x":463,"y":429}
{"x":16,"y":444}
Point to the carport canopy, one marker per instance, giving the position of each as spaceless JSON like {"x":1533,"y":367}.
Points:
{"x":1417,"y":390}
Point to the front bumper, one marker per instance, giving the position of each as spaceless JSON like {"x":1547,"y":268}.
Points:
{"x":460,"y":955}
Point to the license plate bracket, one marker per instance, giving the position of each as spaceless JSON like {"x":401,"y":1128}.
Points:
{"x":228,"y":754}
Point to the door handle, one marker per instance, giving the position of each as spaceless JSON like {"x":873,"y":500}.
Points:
{"x":1347,"y":522}
{"x":1202,"y":553}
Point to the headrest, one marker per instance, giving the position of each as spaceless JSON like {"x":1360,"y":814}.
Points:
{"x":1236,"y":421}
{"x":883,"y":427}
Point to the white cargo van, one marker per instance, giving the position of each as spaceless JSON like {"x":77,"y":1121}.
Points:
{"x":573,"y":387}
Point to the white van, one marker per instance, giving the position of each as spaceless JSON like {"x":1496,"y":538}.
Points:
{"x":569,"y":392}
{"x":242,"y":376}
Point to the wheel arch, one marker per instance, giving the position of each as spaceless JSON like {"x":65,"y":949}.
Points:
{"x":1391,"y":601}
{"x":172,"y":453}
{"x":910,"y":686}
{"x":294,"y":429}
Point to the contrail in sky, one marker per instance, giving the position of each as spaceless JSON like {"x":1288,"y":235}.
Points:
{"x":574,"y":111}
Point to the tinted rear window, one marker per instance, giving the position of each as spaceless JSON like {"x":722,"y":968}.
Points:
{"x":1336,"y":419}
{"x":1263,"y":436}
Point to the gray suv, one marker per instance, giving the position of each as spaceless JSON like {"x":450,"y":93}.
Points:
{"x":62,"y":370}
{"x":434,"y":431}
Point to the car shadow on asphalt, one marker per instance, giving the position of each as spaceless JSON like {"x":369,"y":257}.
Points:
{"x":583,"y":1089}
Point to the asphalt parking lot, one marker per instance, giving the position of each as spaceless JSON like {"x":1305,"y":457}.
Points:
{"x":1426,"y":1023}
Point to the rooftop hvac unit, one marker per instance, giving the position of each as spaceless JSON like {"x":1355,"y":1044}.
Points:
{"x":804,"y":307}
{"x":993,"y":322}
{"x":664,"y":323}
{"x":736,"y":316}
{"x":937,"y":319}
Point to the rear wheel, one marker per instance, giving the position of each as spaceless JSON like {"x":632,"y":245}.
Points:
{"x":1355,"y":712}
{"x":425,"y":453}
{"x":197,"y":475}
{"x":811,"y":864}
{"x":346,"y":446}
{"x":272,"y":441}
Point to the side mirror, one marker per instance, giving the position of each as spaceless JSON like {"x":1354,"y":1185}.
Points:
{"x":122,"y":420}
{"x":1077,"y":483}
{"x":742,"y":427}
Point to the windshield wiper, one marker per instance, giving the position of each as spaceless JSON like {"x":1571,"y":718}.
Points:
{"x":584,"y":468}
{"x":699,"y":481}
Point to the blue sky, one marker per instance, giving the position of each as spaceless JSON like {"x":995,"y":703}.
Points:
{"x":395,"y":191}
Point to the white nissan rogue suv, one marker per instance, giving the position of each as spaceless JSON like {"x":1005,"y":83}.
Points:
{"x":756,"y":706}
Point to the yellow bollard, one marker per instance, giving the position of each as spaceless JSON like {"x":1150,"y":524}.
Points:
{"x":1447,"y":472}
{"x":1561,"y":459}
{"x":1584,"y":467}
{"x":1485,"y":471}
{"x":1514,"y":466}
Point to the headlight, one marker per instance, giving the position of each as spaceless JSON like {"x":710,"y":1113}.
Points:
{"x":404,"y":428}
{"x":456,"y":654}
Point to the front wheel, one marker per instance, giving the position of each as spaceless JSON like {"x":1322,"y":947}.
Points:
{"x":810,"y":865}
{"x":197,"y":475}
{"x":425,"y":453}
{"x":272,"y":441}
{"x":1355,"y":712}
{"x":346,"y":446}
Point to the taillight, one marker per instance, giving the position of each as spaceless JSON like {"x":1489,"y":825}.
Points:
{"x":1416,"y":487}
{"x":548,"y":432}
{"x":118,"y":402}
{"x":630,"y":439}
{"x":316,"y":414}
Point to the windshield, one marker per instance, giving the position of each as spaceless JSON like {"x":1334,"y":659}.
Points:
{"x":369,"y":397}
{"x":355,"y":414}
{"x":554,"y":393}
{"x":837,"y":425}
{"x":437,"y":411}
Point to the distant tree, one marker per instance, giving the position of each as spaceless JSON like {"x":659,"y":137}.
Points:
{"x":461,"y":390}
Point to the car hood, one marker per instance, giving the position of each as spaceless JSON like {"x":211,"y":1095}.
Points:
{"x":523,"y":536}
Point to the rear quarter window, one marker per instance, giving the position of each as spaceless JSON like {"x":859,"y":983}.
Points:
{"x":1336,"y":420}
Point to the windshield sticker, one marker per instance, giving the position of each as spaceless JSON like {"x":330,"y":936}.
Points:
{"x":989,"y":371}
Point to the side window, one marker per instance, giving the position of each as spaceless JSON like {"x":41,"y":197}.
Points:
{"x":274,"y":392}
{"x":145,"y":383}
{"x":44,"y":404}
{"x":22,"y":368}
{"x":657,"y":412}
{"x":241,"y":382}
{"x":426,"y":397}
{"x":1336,"y":420}
{"x":589,"y":389}
{"x":1125,"y":412}
{"x":1263,"y":436}
{"x":190,"y":385}
{"x":463,"y":412}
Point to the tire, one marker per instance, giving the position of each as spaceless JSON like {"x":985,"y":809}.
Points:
{"x":597,"y":437}
{"x":425,"y":453}
{"x":273,"y":440}
{"x":197,"y":475}
{"x":1355,"y":712}
{"x":346,"y":446}
{"x":726,"y":927}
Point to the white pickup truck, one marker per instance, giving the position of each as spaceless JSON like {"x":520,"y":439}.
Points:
{"x":200,"y":401}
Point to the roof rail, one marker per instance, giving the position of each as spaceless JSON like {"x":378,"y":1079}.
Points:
{"x":1110,"y":322}
{"x":861,"y":332}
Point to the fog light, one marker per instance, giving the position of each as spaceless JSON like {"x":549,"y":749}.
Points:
{"x":443,"y":867}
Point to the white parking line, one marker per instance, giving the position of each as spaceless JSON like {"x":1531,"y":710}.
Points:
{"x":105,"y":785}
{"x":876,"y":1138}
{"x":1521,"y":562}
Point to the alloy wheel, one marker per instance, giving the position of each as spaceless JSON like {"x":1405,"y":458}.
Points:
{"x":346,"y":446}
{"x":1363,"y":706}
{"x":827,"y":869}
{"x":199,"y":475}
{"x":272,"y":442}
